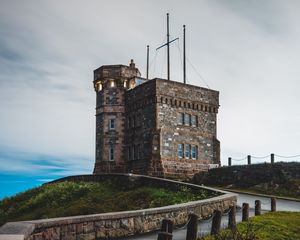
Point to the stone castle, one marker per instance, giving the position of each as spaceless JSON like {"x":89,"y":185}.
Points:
{"x":154,"y":127}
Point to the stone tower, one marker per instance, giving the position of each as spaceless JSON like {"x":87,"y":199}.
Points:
{"x":110,"y":83}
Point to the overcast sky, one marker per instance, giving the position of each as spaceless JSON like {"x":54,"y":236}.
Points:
{"x":247,"y":50}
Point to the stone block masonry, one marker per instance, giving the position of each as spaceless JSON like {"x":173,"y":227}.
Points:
{"x":118,"y":224}
{"x":162,"y":128}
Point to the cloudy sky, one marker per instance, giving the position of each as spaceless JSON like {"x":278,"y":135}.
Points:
{"x":247,"y":50}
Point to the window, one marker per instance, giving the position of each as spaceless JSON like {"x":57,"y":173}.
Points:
{"x":180,"y":119}
{"x":98,"y":86}
{"x":111,"y":153}
{"x":180,"y":150}
{"x":112,"y":123}
{"x":194,"y":121}
{"x":112,"y":83}
{"x":187,"y":151}
{"x":187,"y":120}
{"x":194,"y":152}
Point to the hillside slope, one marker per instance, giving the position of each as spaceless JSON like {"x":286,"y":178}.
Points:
{"x":282,"y":179}
{"x":70,"y":198}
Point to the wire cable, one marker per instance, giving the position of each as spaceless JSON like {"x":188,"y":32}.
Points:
{"x":293,"y":156}
{"x":258,"y":157}
{"x":238,"y":159}
{"x":184,"y":226}
{"x":202,"y":78}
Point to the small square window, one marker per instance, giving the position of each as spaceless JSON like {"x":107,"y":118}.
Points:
{"x":112,"y":123}
{"x":194,"y":152}
{"x":180,"y":150}
{"x":111,"y":153}
{"x":187,"y":151}
{"x":187,"y":120}
{"x":180,"y":119}
{"x":194,"y":121}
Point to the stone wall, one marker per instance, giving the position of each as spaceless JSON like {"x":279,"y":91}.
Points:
{"x":246,"y":176}
{"x":146,"y":137}
{"x":176,"y":98}
{"x":119,"y":224}
{"x":142,"y":135}
{"x":156,"y":105}
{"x":110,"y":83}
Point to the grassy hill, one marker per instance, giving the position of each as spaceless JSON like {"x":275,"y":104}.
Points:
{"x":69,"y":199}
{"x":271,"y":225}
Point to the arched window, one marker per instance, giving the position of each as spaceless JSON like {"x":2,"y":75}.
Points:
{"x":98,"y":86}
{"x":112,"y":83}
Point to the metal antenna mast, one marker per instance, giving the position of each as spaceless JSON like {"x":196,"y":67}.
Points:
{"x":147,"y":62}
{"x":168,"y":45}
{"x":184,"y":58}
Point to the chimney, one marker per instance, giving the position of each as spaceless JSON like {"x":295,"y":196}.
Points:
{"x":132,"y":64}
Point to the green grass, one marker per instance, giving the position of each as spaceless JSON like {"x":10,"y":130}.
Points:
{"x":69,"y":199}
{"x":272,"y":225}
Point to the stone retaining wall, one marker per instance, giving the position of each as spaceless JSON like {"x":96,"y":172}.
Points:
{"x":246,"y":176}
{"x":118,"y":224}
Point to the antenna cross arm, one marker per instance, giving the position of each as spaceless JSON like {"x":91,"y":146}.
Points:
{"x":167,"y":43}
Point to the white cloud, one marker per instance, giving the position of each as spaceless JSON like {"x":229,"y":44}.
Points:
{"x":248,"y":51}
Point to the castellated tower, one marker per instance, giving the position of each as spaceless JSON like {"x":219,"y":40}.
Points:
{"x":110,"y":83}
{"x":154,"y":126}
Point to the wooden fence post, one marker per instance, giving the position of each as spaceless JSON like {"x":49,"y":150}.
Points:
{"x":166,"y":230}
{"x":216,"y":222}
{"x":232,"y":218}
{"x":257,"y":208}
{"x":245,"y":212}
{"x":249,"y":159}
{"x":167,"y":226}
{"x":229,"y":161}
{"x":272,"y":158}
{"x":192,"y":227}
{"x":273,"y":204}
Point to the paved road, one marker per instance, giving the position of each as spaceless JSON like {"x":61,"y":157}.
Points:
{"x":205,"y":226}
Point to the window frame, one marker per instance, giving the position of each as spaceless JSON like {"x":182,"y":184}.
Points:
{"x":194,"y":124}
{"x":112,"y":120}
{"x":187,"y":123}
{"x":111,"y":153}
{"x":194,"y":147}
{"x":180,"y":145}
{"x":187,"y":151}
{"x":180,"y":116}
